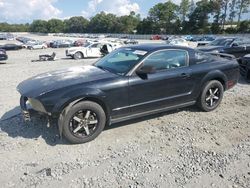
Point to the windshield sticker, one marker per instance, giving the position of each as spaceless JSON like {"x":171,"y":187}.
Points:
{"x":139,"y":52}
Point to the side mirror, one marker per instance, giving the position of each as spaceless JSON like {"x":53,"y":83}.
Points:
{"x":144,"y":71}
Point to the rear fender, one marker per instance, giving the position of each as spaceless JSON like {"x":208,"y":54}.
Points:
{"x":213,"y":75}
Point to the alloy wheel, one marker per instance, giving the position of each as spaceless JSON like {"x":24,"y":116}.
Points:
{"x":212,"y":96}
{"x":83,"y":123}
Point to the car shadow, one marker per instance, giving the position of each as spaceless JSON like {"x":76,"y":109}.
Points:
{"x":153,"y":116}
{"x":13,"y":124}
{"x":243,"y":81}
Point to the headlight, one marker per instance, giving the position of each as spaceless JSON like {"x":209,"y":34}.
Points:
{"x":37,"y":105}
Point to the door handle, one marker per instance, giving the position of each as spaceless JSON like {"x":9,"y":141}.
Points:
{"x":185,"y":75}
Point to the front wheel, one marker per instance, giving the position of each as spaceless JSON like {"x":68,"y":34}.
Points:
{"x":78,"y":55}
{"x":211,"y":96}
{"x":83,"y":122}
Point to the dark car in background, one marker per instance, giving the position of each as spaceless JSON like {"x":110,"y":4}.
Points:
{"x":239,"y":48}
{"x":11,"y":47}
{"x":131,"y":41}
{"x":3,"y":55}
{"x":128,"y":83}
{"x":230,"y":45}
{"x":62,"y":44}
{"x":218,"y":45}
{"x":245,"y":67}
{"x":23,"y":40}
{"x":202,"y":40}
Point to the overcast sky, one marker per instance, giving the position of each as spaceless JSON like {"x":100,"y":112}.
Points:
{"x":22,"y":11}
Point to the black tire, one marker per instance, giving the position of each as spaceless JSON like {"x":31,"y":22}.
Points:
{"x":78,"y":55}
{"x":80,"y":109}
{"x":209,"y":101}
{"x":247,"y":76}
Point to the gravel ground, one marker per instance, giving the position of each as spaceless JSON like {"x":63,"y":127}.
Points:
{"x":181,"y":148}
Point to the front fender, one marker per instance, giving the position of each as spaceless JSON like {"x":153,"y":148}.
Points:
{"x":76,"y":95}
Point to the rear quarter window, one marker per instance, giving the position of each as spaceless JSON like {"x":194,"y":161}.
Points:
{"x":201,"y":57}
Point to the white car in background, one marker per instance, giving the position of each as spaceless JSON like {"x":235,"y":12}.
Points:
{"x":90,"y":50}
{"x":37,"y":45}
{"x":182,"y":42}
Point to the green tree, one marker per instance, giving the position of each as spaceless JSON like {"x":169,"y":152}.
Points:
{"x":183,"y":9}
{"x":164,"y":16}
{"x":232,"y":13}
{"x":128,"y":23}
{"x":244,"y":27}
{"x":103,"y":23}
{"x":55,"y":26}
{"x":242,"y":6}
{"x":77,"y":24}
{"x":192,"y":7}
{"x":224,"y":5}
{"x":216,"y":12}
{"x":39,"y":26}
{"x":145,"y":26}
{"x":198,"y":20}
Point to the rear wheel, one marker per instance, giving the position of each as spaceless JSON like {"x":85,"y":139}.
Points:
{"x":211,"y":96}
{"x":83,"y":122}
{"x":78,"y":55}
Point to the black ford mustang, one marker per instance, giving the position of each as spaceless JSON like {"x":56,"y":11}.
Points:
{"x":128,"y":83}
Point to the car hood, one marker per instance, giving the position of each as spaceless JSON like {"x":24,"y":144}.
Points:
{"x":43,"y":83}
{"x":209,"y":48}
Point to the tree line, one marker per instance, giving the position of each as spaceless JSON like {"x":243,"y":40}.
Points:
{"x":202,"y":17}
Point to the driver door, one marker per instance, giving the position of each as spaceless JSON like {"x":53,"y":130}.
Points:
{"x":170,"y":85}
{"x":94,"y":50}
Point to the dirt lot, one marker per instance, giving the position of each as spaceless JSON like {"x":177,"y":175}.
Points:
{"x":182,"y":148}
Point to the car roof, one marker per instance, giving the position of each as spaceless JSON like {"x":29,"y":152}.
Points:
{"x":156,"y":47}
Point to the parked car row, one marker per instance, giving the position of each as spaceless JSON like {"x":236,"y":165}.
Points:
{"x":7,"y":36}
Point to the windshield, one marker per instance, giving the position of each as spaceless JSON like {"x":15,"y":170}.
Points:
{"x":121,"y":61}
{"x":87,"y":44}
{"x":221,"y":42}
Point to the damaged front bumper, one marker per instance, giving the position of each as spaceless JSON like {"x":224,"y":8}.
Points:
{"x":29,"y":104}
{"x":24,"y":108}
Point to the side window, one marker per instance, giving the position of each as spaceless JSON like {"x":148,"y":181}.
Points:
{"x":244,"y":43}
{"x":167,"y":59}
{"x":97,"y":45}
